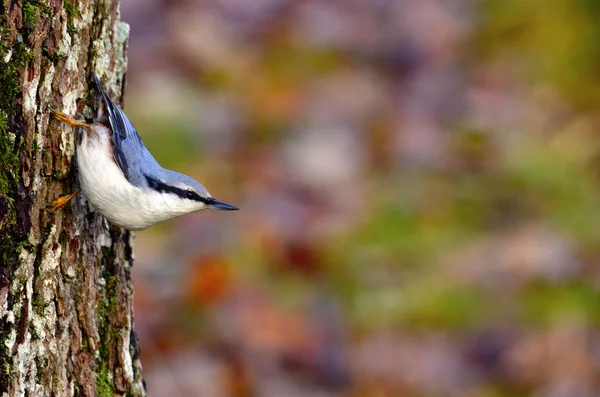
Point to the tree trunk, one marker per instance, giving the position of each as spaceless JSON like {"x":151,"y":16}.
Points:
{"x":66,"y":317}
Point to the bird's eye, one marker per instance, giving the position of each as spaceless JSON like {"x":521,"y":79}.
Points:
{"x":190,"y":195}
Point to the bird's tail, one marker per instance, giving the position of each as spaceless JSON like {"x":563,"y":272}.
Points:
{"x":100,"y":107}
{"x":108,"y":111}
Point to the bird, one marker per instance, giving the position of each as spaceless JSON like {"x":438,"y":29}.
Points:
{"x":120,"y":177}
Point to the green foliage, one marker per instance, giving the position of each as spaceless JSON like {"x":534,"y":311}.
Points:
{"x":544,"y":303}
{"x":388,"y":268}
{"x":179,"y":148}
{"x":558,"y":41}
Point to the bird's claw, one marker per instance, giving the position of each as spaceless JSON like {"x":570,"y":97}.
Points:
{"x":66,"y":119}
{"x":61,"y":201}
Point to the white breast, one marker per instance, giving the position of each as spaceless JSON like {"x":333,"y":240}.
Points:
{"x":106,"y":188}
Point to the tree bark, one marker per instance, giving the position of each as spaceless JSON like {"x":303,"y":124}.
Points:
{"x":66,"y":316}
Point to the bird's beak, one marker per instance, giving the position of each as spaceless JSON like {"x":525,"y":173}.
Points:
{"x":219,"y":205}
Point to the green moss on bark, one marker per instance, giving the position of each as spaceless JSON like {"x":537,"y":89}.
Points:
{"x":13,"y":59}
{"x":72,"y":11}
{"x":32,"y":11}
{"x":107,"y":307}
{"x":71,"y":8}
{"x":104,"y":383}
{"x":30,"y":14}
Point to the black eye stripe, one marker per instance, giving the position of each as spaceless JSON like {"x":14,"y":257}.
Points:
{"x":184,"y":194}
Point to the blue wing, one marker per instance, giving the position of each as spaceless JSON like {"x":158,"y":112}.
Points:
{"x":131,"y":155}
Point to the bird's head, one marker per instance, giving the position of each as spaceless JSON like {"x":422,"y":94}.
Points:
{"x":183,"y":195}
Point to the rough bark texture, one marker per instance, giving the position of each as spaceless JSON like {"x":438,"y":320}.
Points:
{"x":66,"y":317}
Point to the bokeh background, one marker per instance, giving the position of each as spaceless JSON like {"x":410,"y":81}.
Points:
{"x":420,"y":191}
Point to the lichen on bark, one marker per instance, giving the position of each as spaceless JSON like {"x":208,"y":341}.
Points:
{"x":66,"y":295}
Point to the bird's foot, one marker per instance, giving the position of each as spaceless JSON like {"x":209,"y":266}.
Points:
{"x":67,"y":120}
{"x":62,"y":201}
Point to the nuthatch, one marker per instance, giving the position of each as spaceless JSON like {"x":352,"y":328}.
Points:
{"x":122,"y":180}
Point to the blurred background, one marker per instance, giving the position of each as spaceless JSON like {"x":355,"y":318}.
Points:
{"x":420,"y":191}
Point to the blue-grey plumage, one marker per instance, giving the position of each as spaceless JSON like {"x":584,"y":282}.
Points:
{"x":123,"y":181}
{"x":130,"y":153}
